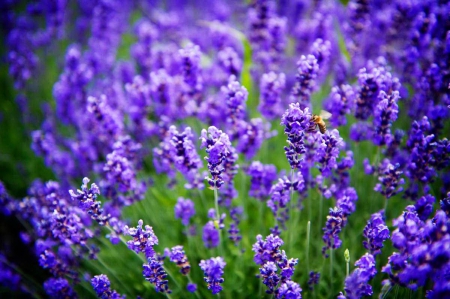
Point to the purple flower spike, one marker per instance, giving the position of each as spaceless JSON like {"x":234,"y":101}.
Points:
{"x":376,"y":233}
{"x":289,"y":290}
{"x":213,"y":269}
{"x":184,"y":210}
{"x":178,"y":256}
{"x":390,"y":181}
{"x":262,"y":177}
{"x":357,"y":284}
{"x":268,"y":273}
{"x":335,"y":222}
{"x":59,"y":288}
{"x":271,"y":88}
{"x":156,"y":275}
{"x":385,"y":114}
{"x":340,"y":103}
{"x":328,"y":151}
{"x":313,"y":279}
{"x":143,"y":240}
{"x":219,"y":148}
{"x":296,"y":121}
{"x":210,"y":235}
{"x":191,"y":287}
{"x":307,"y":70}
{"x":87,"y":201}
{"x":101,"y":286}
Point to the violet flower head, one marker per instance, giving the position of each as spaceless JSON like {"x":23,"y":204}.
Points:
{"x":143,"y":240}
{"x":230,"y":61}
{"x":262,"y":177}
{"x":210,"y":235}
{"x":307,"y":70}
{"x":59,"y":288}
{"x":336,"y":220}
{"x":87,"y":201}
{"x":376,"y":233}
{"x":390,"y":182}
{"x":271,"y":89}
{"x":270,"y":277}
{"x":267,"y":250}
{"x":424,"y":206}
{"x":191,"y":287}
{"x":233,"y":231}
{"x":236,"y":98}
{"x":184,"y":210}
{"x":385,"y":114}
{"x":101,"y":286}
{"x":185,"y":156}
{"x":313,"y":279}
{"x":218,"y":146}
{"x":357,"y":284}
{"x":289,"y":290}
{"x":340,"y":103}
{"x":346,"y":200}
{"x":296,"y":121}
{"x":328,"y":151}
{"x":321,"y":50}
{"x":191,"y":71}
{"x":250,"y":136}
{"x":213,"y":269}
{"x":154,"y":273}
{"x":178,"y":256}
{"x":120,"y":171}
{"x":146,"y":34}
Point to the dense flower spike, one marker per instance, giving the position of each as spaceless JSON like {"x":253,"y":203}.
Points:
{"x":271,"y":87}
{"x":336,"y":220}
{"x":59,"y":288}
{"x":340,"y":103}
{"x":313,"y":279}
{"x":328,"y":151}
{"x":219,"y":148}
{"x":235,"y":98}
{"x":307,"y":70}
{"x":184,"y":210}
{"x":156,"y":275}
{"x":101,"y":286}
{"x":143,"y":240}
{"x":211,"y":234}
{"x":262,"y":177}
{"x":385,"y":114}
{"x":376,"y":233}
{"x":296,"y":121}
{"x":390,"y":182}
{"x":213,"y":269}
{"x":178,"y":256}
{"x":357,"y":284}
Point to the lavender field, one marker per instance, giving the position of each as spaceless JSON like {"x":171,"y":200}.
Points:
{"x":225,"y":149}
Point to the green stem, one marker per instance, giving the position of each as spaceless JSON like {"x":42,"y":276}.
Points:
{"x":331,"y":269}
{"x":320,"y":211}
{"x":291,"y":215}
{"x":216,"y":203}
{"x":308,"y":231}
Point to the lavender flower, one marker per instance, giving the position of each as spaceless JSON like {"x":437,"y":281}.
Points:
{"x":234,"y":232}
{"x":59,"y":288}
{"x":340,"y":103}
{"x":335,"y":222}
{"x":235,"y":98}
{"x":296,"y":121}
{"x":390,"y":181}
{"x":191,"y":287}
{"x":178,"y":256}
{"x":184,"y":210}
{"x":271,"y":88}
{"x":328,"y":151}
{"x":101,"y":286}
{"x":424,"y":206}
{"x":250,"y":136}
{"x":87,"y":201}
{"x":313,"y":279}
{"x":156,"y":275}
{"x":262,"y":177}
{"x":185,"y":156}
{"x":376,"y":233}
{"x":143,"y":240}
{"x":289,"y":289}
{"x":307,"y":70}
{"x":357,"y":284}
{"x":213,"y":269}
{"x":210,"y":235}
{"x":385,"y":114}
{"x":218,"y":147}
{"x":267,"y":250}
{"x":268,"y":273}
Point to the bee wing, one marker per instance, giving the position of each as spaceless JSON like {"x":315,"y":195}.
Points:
{"x":325,"y":114}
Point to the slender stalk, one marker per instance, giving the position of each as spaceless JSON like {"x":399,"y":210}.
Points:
{"x":216,"y":203}
{"x":190,"y":280}
{"x":331,"y":268}
{"x":308,"y":232}
{"x":291,"y":214}
{"x":320,"y":211}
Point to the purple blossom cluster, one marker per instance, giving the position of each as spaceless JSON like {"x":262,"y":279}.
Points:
{"x":375,"y":232}
{"x":271,"y":259}
{"x":213,"y":269}
{"x":101,"y":286}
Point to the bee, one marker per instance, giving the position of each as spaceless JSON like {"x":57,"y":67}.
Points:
{"x":319,"y":120}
